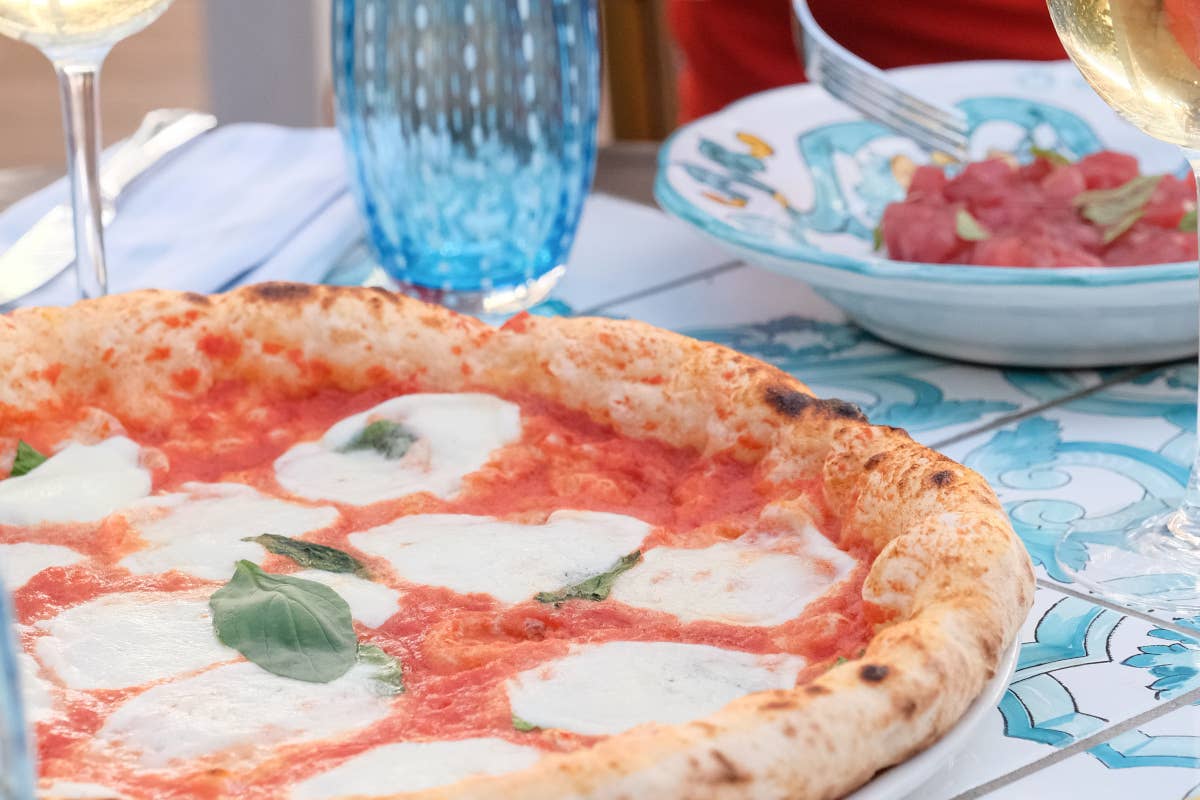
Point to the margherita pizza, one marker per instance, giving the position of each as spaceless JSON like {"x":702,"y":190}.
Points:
{"x":304,"y":542}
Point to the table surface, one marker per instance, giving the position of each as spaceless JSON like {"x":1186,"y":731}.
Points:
{"x":1105,"y":702}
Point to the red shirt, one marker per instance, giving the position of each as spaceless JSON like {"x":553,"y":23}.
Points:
{"x":732,"y":48}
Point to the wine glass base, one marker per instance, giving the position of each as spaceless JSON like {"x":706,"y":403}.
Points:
{"x":358,"y":268}
{"x":1154,"y":566}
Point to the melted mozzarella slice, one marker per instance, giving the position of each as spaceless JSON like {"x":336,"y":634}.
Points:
{"x":412,"y":766}
{"x":237,"y":708}
{"x":21,"y":561}
{"x":123,"y":640}
{"x":80,"y":483}
{"x":507,"y":560}
{"x":370,"y":603}
{"x":457,"y":434}
{"x":612,"y":687}
{"x":738,"y":582}
{"x":201,"y":532}
{"x":35,"y":692}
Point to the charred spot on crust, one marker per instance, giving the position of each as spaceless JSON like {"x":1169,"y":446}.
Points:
{"x":843,"y":410}
{"x":788,"y":402}
{"x":991,"y":647}
{"x":197,"y":299}
{"x":793,"y":403}
{"x":815,"y":689}
{"x":874,"y":461}
{"x":280,"y":292}
{"x":873,"y":673}
{"x":729,"y":771}
{"x":942,"y":478}
{"x":778,"y":705}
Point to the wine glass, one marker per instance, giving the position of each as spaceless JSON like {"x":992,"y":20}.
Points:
{"x":1143,"y":58}
{"x":76,"y":35}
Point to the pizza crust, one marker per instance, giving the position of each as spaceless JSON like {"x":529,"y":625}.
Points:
{"x":950,"y":569}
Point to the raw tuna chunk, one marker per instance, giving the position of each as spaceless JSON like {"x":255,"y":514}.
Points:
{"x":1038,"y":215}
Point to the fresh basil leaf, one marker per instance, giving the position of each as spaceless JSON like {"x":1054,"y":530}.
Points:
{"x":1188,"y":223}
{"x":390,"y":439}
{"x":26,"y":461}
{"x":1114,"y":231}
{"x":310,"y":555}
{"x":595,"y":588}
{"x":292,"y":627}
{"x":877,"y":237}
{"x":389,"y":674}
{"x":967,"y":228}
{"x":523,"y":726}
{"x":1053,"y":156}
{"x":1108,"y":207}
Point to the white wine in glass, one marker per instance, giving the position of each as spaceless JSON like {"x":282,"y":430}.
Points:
{"x":76,"y":35}
{"x":1143,"y":58}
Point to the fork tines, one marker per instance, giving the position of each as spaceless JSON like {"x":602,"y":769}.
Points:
{"x":870,"y":91}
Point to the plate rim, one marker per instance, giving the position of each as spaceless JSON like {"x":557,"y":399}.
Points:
{"x":674,"y":203}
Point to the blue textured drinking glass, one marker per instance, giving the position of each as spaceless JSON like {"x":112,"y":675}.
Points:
{"x":470,"y":129}
{"x":16,"y":758}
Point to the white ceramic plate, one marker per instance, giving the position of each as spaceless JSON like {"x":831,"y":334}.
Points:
{"x":796,"y":182}
{"x":904,"y":779}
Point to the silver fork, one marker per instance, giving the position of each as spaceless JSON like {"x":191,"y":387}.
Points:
{"x":868,"y":90}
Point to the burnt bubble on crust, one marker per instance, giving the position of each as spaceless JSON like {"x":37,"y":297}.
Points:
{"x":792,"y":403}
{"x":873,"y":673}
{"x":197,"y":299}
{"x":942,"y":478}
{"x":281,"y":292}
{"x":788,"y":402}
{"x":842,"y":409}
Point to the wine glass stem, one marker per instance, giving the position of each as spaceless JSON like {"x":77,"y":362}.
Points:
{"x":1185,"y":524}
{"x":81,"y":122}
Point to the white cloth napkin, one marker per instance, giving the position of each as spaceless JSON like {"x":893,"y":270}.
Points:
{"x":242,"y":203}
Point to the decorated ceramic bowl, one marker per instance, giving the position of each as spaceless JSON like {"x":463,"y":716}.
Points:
{"x":796,"y":182}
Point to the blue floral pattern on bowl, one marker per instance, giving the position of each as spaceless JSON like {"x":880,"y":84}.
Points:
{"x":793,"y":181}
{"x":853,"y":169}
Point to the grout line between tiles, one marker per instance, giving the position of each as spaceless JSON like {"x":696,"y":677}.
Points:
{"x":1087,"y":743}
{"x":710,"y":272}
{"x":1145,"y":616}
{"x":999,"y":422}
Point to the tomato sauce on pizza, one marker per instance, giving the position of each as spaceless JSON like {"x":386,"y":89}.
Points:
{"x":496,"y":578}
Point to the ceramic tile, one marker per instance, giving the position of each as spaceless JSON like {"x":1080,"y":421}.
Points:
{"x":622,"y":248}
{"x":1098,"y":465}
{"x":1160,"y":759}
{"x":739,"y":297}
{"x":782,"y":321}
{"x":1082,"y":668}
